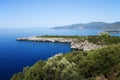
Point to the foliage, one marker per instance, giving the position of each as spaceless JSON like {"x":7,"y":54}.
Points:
{"x":57,"y":68}
{"x":76,"y":56}
{"x":102,"y":39}
{"x":77,"y":65}
{"x":31,"y":73}
{"x":100,"y":61}
{"x":58,"y":36}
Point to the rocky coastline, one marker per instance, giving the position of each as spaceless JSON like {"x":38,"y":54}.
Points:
{"x":75,"y":45}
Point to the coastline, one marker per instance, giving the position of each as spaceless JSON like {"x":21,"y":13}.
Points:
{"x":74,"y":43}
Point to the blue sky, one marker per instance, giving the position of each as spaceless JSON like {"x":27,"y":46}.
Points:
{"x":49,"y":13}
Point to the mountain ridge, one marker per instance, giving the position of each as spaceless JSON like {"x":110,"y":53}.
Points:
{"x":91,"y":25}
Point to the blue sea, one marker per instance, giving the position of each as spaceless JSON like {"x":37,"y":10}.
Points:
{"x":14,"y":55}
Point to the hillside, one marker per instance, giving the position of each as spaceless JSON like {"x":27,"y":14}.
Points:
{"x":97,"y":64}
{"x":100,"y":64}
{"x":92,"y":25}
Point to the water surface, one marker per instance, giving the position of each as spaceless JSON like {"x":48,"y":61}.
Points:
{"x":14,"y":55}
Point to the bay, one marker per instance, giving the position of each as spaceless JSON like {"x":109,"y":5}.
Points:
{"x":14,"y":55}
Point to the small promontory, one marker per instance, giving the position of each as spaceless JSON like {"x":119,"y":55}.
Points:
{"x":76,"y":42}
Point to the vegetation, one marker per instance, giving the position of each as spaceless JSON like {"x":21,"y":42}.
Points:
{"x":111,"y":31}
{"x":102,"y":39}
{"x":58,"y":36}
{"x":100,"y":64}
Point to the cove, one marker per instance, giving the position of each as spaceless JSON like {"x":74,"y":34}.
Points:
{"x":20,"y":54}
{"x":15,"y":55}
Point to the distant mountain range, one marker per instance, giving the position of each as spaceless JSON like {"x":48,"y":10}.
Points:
{"x":92,"y":25}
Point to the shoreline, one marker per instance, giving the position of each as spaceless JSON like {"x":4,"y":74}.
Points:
{"x":74,"y":44}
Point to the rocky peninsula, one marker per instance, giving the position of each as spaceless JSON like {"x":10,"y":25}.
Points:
{"x":84,"y":45}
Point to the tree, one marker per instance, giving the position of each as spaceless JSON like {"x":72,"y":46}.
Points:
{"x":58,"y":68}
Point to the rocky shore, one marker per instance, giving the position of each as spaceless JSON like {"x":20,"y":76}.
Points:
{"x":76,"y":45}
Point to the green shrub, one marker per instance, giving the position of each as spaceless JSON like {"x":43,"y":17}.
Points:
{"x":31,"y":73}
{"x":77,"y":65}
{"x":57,"y":68}
{"x":100,"y":61}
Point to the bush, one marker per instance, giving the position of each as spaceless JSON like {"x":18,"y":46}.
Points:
{"x":91,"y":65}
{"x":31,"y":73}
{"x":100,"y":61}
{"x":58,"y":68}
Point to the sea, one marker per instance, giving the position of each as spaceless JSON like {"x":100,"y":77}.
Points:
{"x":15,"y":55}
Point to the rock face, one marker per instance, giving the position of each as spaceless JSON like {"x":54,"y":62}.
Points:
{"x":84,"y":45}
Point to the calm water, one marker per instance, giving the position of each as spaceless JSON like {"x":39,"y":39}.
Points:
{"x":14,"y":55}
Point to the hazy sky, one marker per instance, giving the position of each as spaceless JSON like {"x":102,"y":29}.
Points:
{"x":49,"y":13}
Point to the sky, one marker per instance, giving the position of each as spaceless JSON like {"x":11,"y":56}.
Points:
{"x":50,"y":13}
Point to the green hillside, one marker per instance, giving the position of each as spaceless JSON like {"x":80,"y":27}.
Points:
{"x":100,"y":64}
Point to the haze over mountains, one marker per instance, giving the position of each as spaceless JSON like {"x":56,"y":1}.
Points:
{"x":92,"y":25}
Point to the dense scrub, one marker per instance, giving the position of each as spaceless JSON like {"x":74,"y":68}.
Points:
{"x":100,"y":64}
{"x":102,"y":39}
{"x":58,"y":36}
